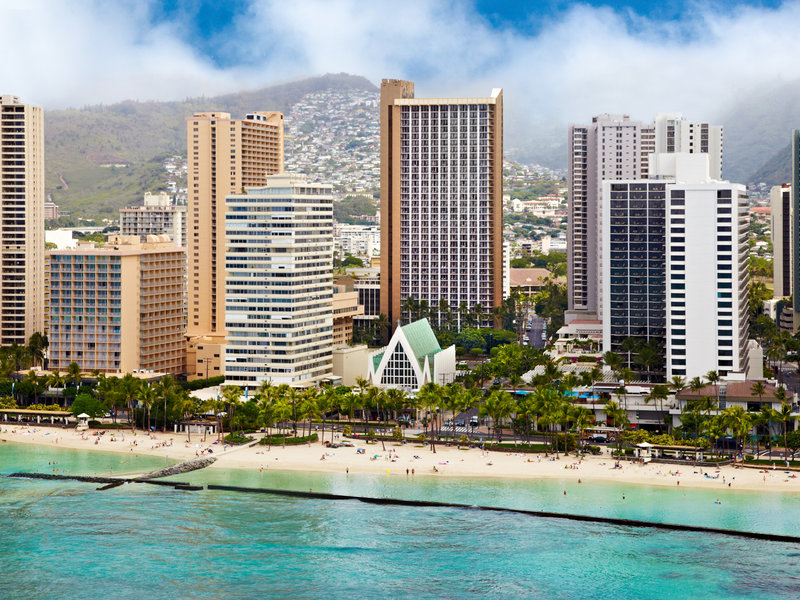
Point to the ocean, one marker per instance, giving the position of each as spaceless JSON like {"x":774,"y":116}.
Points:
{"x":65,"y":539}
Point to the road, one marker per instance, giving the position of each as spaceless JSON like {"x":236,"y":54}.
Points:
{"x":536,"y":334}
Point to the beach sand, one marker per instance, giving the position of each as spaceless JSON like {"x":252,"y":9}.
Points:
{"x":397,"y":460}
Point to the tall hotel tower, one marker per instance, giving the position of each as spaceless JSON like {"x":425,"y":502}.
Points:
{"x":224,"y":156}
{"x":21,"y":220}
{"x":441,"y":199}
{"x":279,"y":290}
{"x":615,"y":148}
{"x":675,"y":266}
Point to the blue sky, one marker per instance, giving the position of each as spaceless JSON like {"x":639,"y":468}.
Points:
{"x":559,"y":61}
{"x":206,"y":24}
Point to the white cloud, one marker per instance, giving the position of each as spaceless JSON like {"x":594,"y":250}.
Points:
{"x":590,"y":60}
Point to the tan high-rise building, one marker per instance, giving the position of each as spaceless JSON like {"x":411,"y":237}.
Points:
{"x":441,"y":200}
{"x":118,"y":308}
{"x":21,"y":220}
{"x":224,"y":156}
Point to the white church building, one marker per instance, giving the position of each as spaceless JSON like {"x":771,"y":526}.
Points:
{"x":412,"y":358}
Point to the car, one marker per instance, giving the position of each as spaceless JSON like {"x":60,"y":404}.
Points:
{"x":473,"y":421}
{"x":460,"y":423}
{"x":448,"y":423}
{"x":497,"y":381}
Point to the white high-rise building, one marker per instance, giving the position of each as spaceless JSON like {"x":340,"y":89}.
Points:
{"x":615,"y":148}
{"x":612,"y":147}
{"x":278,"y":288}
{"x":676,"y":134}
{"x":676,"y":266}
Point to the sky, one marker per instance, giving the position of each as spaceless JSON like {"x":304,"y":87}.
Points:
{"x":563,"y":61}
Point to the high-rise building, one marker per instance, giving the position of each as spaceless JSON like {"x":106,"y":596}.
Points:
{"x":615,"y":148}
{"x":675,"y":266}
{"x":21,"y":220}
{"x":441,"y":200}
{"x":782,"y":239}
{"x":156,"y":216}
{"x":225,"y":156}
{"x":612,"y":147}
{"x":119,"y":307}
{"x":795,"y":235}
{"x":676,"y":134}
{"x":279,"y":294}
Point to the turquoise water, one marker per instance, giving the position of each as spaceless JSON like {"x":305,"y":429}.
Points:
{"x":67,"y":540}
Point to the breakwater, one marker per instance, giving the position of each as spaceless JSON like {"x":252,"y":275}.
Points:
{"x":792,"y":539}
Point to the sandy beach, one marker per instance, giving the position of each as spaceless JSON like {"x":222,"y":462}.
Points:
{"x":409,"y":459}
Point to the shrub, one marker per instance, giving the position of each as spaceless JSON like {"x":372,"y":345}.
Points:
{"x":347,"y":430}
{"x":397,"y":434}
{"x":594,"y":449}
{"x":290,"y":441}
{"x":236,"y":438}
{"x":95,"y":424}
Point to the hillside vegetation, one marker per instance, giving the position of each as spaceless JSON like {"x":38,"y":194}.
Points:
{"x":81,"y":143}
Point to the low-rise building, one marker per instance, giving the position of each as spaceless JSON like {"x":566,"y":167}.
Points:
{"x":412,"y":358}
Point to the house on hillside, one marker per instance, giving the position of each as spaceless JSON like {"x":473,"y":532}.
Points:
{"x":412,"y":358}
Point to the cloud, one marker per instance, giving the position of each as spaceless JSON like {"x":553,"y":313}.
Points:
{"x":578,"y":63}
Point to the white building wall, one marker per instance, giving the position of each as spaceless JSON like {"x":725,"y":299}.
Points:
{"x":707,"y":279}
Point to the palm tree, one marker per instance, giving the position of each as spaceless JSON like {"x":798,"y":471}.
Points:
{"x":619,"y":418}
{"x":758,"y":388}
{"x":677,"y":383}
{"x":546,"y":406}
{"x":128,"y":389}
{"x":33,"y":379}
{"x":37,"y":346}
{"x":231,"y":395}
{"x":498,"y":406}
{"x":308,"y":409}
{"x":74,"y":374}
{"x":630,"y":345}
{"x":649,"y":357}
{"x":738,"y":420}
{"x":612,"y":360}
{"x":429,"y":398}
{"x":784,"y":416}
{"x":56,"y":380}
{"x":659,"y":393}
{"x":713,"y":379}
{"x":147,"y":396}
{"x":382,"y":327}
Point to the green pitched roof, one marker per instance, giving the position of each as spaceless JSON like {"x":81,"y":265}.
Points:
{"x":422,"y":339}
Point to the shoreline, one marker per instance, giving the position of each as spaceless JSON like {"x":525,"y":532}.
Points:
{"x":410,"y":459}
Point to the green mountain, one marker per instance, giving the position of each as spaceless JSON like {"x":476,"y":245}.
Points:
{"x":757,"y":131}
{"x":777,"y":170}
{"x":100,"y":158}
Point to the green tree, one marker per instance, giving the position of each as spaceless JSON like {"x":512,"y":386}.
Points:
{"x":498,"y":406}
{"x":86,"y":403}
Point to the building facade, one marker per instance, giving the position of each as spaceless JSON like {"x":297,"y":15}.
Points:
{"x":157,"y":216}
{"x":615,"y":148}
{"x":782,"y":239}
{"x":675,"y":266}
{"x":21,"y":220}
{"x":345,"y":309}
{"x":412,"y":358}
{"x":50,"y":211}
{"x":224,"y":156}
{"x":118,"y":308}
{"x":279,"y":294}
{"x":441,"y":199}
